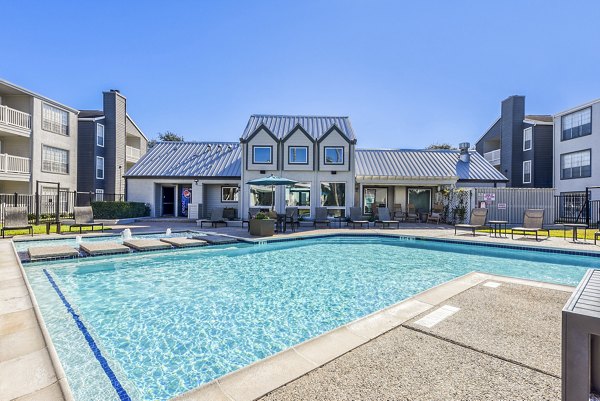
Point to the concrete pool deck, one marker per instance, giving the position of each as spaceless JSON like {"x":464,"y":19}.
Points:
{"x":447,"y":354}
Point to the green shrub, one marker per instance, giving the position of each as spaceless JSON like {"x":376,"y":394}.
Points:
{"x":261,"y":216}
{"x":120,"y":210}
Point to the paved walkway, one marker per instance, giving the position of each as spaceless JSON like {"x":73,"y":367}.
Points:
{"x":26,"y":368}
{"x":502,"y":344}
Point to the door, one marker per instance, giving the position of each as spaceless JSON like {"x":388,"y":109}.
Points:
{"x":420,"y":198}
{"x":374,"y":196}
{"x":168,"y":201}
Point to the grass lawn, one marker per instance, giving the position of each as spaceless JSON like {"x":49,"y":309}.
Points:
{"x":555,"y":233}
{"x":41,"y":229}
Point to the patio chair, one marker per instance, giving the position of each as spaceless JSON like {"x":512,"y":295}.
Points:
{"x":84,"y":217}
{"x":533,"y":223}
{"x":399,"y":213}
{"x":356,"y":217}
{"x":477,"y":221}
{"x":216,"y":218}
{"x":291,"y":218}
{"x":384,"y":218}
{"x":252,"y":212}
{"x":321,"y":217}
{"x":15,"y":218}
{"x":411,"y":213}
{"x":436,"y":213}
{"x":596,"y":236}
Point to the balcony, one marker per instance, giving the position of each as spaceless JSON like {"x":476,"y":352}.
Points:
{"x":493,"y":157}
{"x":14,"y":167}
{"x":15,"y":121}
{"x":132,"y":154}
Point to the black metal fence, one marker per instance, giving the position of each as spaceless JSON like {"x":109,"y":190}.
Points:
{"x":53,"y":206}
{"x":577,"y":208}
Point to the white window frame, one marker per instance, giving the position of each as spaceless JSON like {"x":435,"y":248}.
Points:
{"x":99,"y":195}
{"x":98,"y":136}
{"x":256,"y":147}
{"x":50,"y":119}
{"x":290,"y":161}
{"x":55,"y":166}
{"x":98,"y":158}
{"x":321,"y":203}
{"x":326,"y":148}
{"x":303,"y":210}
{"x":528,"y":132}
{"x":236,"y":195}
{"x":527,"y":163}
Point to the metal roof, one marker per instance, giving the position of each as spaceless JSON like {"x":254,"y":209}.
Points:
{"x":315,"y":126}
{"x":424,"y":164}
{"x":190,"y":159}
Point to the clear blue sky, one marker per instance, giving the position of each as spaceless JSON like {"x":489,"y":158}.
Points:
{"x":407,"y":73}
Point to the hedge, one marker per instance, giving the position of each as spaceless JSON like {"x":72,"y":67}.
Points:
{"x":120,"y":210}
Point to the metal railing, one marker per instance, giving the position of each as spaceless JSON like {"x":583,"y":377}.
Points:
{"x":14,"y":164}
{"x":577,"y":208}
{"x":132,"y":153}
{"x":15,"y":118}
{"x":493,"y":157}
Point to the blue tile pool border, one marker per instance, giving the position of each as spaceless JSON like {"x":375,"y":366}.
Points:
{"x":121,"y":392}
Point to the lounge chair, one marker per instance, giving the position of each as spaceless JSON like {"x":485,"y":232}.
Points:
{"x":291,"y":218}
{"x":477,"y":221}
{"x":321,"y":217}
{"x":411,"y":213}
{"x":216,"y":218}
{"x":84,"y":217}
{"x":356,"y":217}
{"x":384,"y":218}
{"x":15,"y":218}
{"x":533,"y":223}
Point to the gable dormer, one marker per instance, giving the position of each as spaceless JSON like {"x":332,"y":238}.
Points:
{"x":298,"y":150}
{"x":335,"y":151}
{"x":261,"y":150}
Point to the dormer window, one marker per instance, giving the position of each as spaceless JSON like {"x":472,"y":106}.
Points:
{"x":298,"y":155}
{"x":334,"y":155}
{"x":262,"y":155}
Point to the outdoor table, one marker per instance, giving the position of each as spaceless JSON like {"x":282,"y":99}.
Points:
{"x":49,"y":225}
{"x":497,"y":227}
{"x":574,"y":227}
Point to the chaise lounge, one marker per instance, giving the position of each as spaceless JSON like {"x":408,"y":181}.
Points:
{"x":384,"y":218}
{"x":533,"y":223}
{"x":216,"y":218}
{"x":321,"y":217}
{"x":84,"y":217}
{"x":356,"y":217}
{"x":15,"y":218}
{"x":477,"y":221}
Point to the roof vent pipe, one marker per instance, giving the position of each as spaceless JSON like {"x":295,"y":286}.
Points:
{"x":465,"y":156}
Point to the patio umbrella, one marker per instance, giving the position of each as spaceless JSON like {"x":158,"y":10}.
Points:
{"x":272,"y":181}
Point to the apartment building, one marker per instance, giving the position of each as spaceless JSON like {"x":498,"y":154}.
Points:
{"x":38,"y":142}
{"x":577,"y":148}
{"x":519,"y":145}
{"x":110,"y":143}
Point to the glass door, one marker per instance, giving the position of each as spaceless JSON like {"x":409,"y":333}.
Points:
{"x":374,"y":197}
{"x":420,"y":198}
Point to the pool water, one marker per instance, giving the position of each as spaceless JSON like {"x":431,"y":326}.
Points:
{"x":169,"y":322}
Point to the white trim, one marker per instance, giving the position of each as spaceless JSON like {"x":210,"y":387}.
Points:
{"x":98,"y":137}
{"x":528,"y":162}
{"x":530,"y":138}
{"x":90,"y":118}
{"x":98,"y":159}
{"x":136,"y":126}
{"x":537,"y":122}
{"x":36,"y":95}
{"x":577,"y":108}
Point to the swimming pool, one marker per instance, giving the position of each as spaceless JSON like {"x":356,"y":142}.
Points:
{"x":169,"y":322}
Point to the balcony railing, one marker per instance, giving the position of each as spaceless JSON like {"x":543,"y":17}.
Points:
{"x":493,"y":157}
{"x":132,"y":153}
{"x":15,"y":118}
{"x":14,"y":164}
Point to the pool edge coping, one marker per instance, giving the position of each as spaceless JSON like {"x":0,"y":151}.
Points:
{"x":61,"y":377}
{"x":264,"y":376}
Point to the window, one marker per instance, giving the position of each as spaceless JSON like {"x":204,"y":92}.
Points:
{"x":334,"y":155}
{"x":577,"y":124}
{"x":261,"y":195}
{"x":333,"y":196}
{"x":576,"y":165}
{"x":262,"y":154}
{"x":420,"y":198}
{"x":298,"y":195}
{"x":99,"y":195}
{"x":100,"y":167}
{"x":527,"y":138}
{"x":298,"y":155}
{"x":100,"y":135}
{"x":527,"y":172}
{"x":374,"y":196}
{"x":229,"y":194}
{"x":55,"y":120}
{"x":55,"y":160}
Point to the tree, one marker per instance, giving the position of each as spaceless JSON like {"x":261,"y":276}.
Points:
{"x":167,"y":136}
{"x":435,"y":146}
